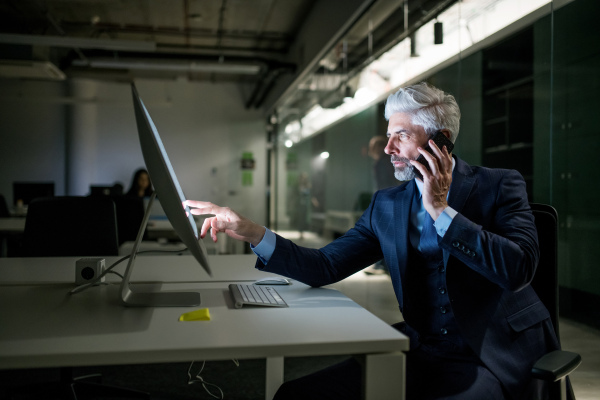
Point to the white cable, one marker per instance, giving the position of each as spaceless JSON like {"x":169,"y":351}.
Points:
{"x":199,"y":379}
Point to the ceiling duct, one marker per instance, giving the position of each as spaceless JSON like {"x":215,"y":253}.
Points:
{"x":30,"y":70}
{"x":79,"y":43}
{"x":171,"y":66}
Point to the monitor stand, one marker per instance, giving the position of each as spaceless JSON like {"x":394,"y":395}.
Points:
{"x":131,"y":298}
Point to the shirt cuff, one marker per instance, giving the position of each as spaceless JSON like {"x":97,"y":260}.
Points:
{"x":264,"y":250}
{"x":444,"y":220}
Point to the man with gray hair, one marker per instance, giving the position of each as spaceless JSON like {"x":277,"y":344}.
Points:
{"x":461,"y":247}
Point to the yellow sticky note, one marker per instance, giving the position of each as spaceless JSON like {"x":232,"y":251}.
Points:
{"x":199,"y":315}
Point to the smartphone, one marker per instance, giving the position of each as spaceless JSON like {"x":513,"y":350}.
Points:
{"x":440,"y":140}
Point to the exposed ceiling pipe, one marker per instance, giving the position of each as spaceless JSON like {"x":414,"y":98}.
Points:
{"x":171,"y":66}
{"x":408,"y":31}
{"x":425,"y":17}
{"x":82,"y":43}
{"x":266,"y":82}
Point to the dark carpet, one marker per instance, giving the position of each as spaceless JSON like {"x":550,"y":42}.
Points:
{"x":167,"y":381}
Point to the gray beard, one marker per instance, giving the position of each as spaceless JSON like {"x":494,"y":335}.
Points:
{"x":405,"y":173}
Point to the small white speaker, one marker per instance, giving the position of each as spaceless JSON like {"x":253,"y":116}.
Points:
{"x":88,"y":269}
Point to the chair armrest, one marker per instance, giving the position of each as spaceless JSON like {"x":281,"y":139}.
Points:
{"x":555,"y":365}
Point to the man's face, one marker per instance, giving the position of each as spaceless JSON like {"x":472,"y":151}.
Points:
{"x":403,"y":140}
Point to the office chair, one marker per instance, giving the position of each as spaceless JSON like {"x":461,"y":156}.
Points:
{"x":557,"y":365}
{"x":130,"y":213}
{"x":71,"y":226}
{"x":4,"y":213}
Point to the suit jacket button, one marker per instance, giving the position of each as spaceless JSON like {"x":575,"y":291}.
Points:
{"x":455,"y":244}
{"x":443,"y":310}
{"x":444,"y":331}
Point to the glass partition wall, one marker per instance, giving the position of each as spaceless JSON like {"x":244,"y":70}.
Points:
{"x":525,"y":77}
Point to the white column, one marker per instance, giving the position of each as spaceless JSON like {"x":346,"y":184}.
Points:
{"x":82,"y":158}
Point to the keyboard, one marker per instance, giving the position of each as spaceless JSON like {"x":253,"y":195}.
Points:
{"x":255,"y":296}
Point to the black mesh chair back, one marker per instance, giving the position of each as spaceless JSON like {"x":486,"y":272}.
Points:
{"x":4,"y":213}
{"x":130,"y":213}
{"x":557,"y":365}
{"x":71,"y":226}
{"x":545,"y":281}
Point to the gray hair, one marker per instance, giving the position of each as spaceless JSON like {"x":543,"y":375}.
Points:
{"x":429,"y":107}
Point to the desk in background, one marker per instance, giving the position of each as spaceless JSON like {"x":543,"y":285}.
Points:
{"x":10,"y":227}
{"x":43,"y":326}
{"x":156,"y":230}
{"x":339,"y":222}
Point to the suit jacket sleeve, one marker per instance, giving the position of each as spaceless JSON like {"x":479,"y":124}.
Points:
{"x":357,"y":249}
{"x":494,"y":232}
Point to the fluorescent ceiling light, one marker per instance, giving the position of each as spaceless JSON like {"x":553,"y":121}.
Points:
{"x":466,"y":23}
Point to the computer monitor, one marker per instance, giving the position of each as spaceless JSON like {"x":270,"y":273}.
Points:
{"x":168,"y":190}
{"x":106,"y":190}
{"x":24,"y":192}
{"x":157,"y":213}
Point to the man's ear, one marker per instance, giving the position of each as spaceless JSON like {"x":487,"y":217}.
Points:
{"x":446,"y":133}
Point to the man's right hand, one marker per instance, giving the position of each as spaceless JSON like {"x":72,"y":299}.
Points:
{"x":226,"y":220}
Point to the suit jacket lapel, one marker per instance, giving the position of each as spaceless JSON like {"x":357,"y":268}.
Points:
{"x":463,"y":183}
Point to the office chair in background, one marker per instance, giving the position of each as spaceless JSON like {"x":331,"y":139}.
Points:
{"x":71,"y":226}
{"x":130,"y":213}
{"x":557,"y":365}
{"x":4,"y":212}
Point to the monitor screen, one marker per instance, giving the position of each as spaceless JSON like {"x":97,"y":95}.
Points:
{"x":24,"y":192}
{"x":106,"y":190}
{"x":166,"y":185}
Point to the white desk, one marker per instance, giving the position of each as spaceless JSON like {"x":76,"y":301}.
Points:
{"x":42,"y":326}
{"x":12,"y":225}
{"x":8,"y":227}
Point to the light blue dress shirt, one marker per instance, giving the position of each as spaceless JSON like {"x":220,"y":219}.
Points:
{"x":264,"y":250}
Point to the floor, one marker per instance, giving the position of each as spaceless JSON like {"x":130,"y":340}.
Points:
{"x":375,"y":293}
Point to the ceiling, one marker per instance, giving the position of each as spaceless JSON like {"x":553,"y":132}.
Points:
{"x":242,"y":41}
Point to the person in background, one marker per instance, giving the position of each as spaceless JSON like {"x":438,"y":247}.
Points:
{"x":461,"y":247}
{"x":383,"y":177}
{"x":383,"y":170}
{"x":140,"y":184}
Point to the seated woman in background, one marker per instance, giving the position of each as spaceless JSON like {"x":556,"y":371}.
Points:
{"x":140,"y":184}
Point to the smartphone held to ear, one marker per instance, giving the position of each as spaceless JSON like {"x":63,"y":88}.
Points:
{"x":440,"y":140}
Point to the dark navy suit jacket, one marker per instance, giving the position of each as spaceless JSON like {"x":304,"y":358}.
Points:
{"x":490,"y":253}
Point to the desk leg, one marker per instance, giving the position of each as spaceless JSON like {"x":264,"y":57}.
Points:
{"x":384,"y":376}
{"x":274,"y":376}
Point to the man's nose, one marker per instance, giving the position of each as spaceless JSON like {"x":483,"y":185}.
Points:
{"x":391,"y":147}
